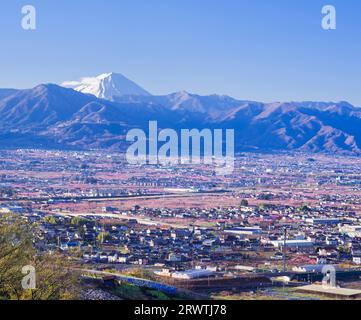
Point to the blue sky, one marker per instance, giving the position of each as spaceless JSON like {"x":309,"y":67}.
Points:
{"x":266,"y":50}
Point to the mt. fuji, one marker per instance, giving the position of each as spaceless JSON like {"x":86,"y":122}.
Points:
{"x":106,"y":86}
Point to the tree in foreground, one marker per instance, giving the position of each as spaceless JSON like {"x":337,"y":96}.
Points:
{"x":54,"y":278}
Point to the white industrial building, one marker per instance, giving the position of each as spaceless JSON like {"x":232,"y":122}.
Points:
{"x":291,"y":243}
{"x":314,"y":268}
{"x":193,"y":274}
{"x":244,"y":230}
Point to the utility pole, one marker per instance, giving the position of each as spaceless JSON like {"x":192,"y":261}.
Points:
{"x":284,"y":249}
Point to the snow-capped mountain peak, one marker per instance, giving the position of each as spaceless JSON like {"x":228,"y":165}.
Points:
{"x":107,"y":86}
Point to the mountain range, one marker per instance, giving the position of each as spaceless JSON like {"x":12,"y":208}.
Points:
{"x":97,"y":113}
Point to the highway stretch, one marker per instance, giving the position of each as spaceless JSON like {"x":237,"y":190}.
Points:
{"x":115,"y":198}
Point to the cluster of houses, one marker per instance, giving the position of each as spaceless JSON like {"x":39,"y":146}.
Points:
{"x":324,"y":237}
